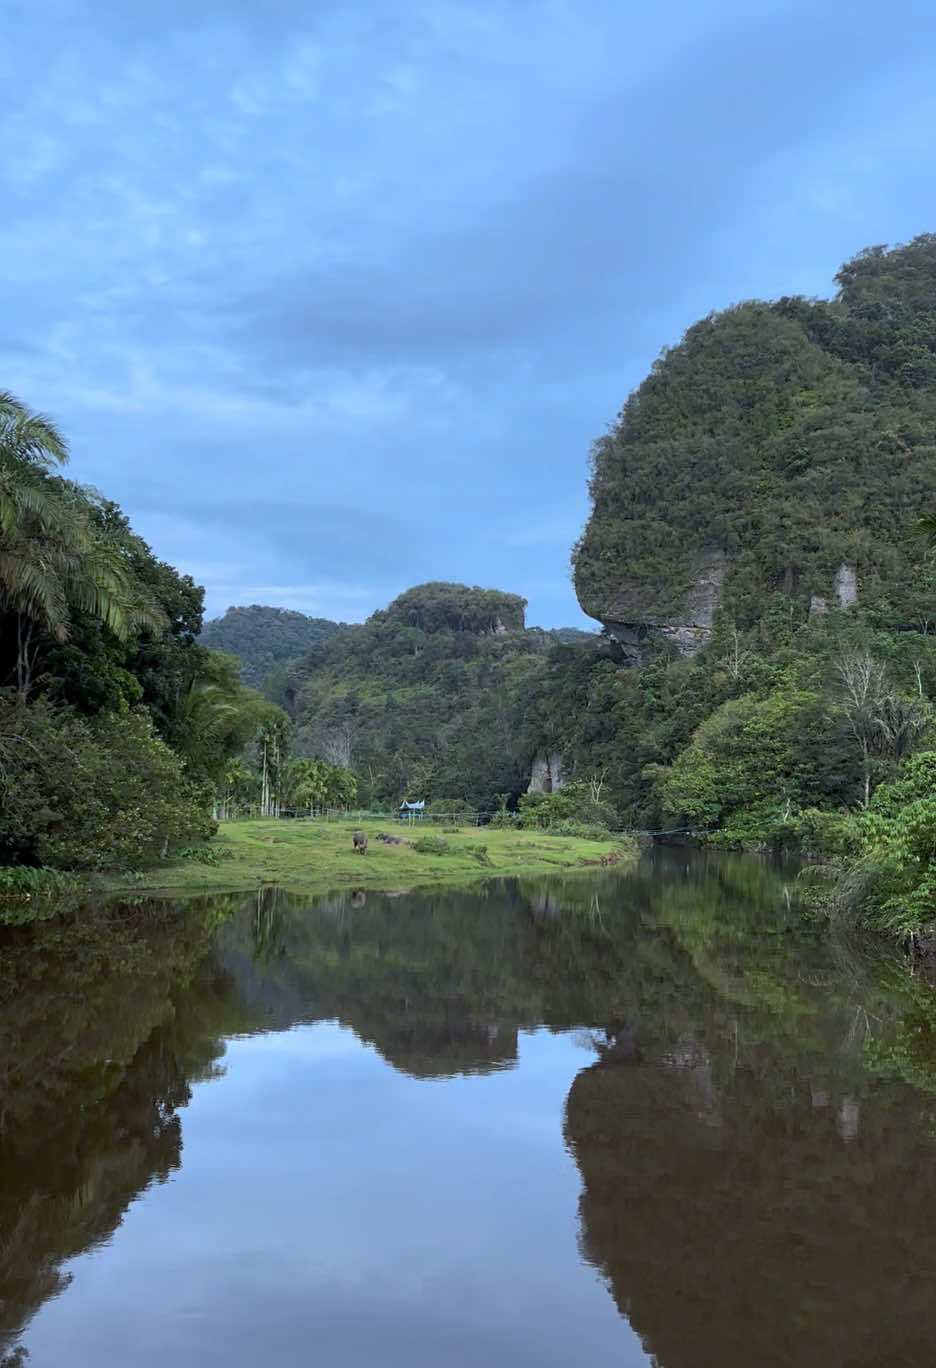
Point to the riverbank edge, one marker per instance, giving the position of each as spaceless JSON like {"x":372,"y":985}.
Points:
{"x":317,"y":856}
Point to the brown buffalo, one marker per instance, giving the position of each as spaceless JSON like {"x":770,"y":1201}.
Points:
{"x":360,"y":842}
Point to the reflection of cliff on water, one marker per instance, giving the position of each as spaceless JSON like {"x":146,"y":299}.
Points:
{"x":755,"y":1173}
{"x":749,"y":1146}
{"x":104,"y":1023}
{"x":439,"y":983}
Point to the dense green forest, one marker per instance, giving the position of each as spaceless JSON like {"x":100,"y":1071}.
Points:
{"x":435,"y":697}
{"x":116,"y":725}
{"x":263,"y":638}
{"x":760,"y":554}
{"x":754,"y":548}
{"x":769,"y":657}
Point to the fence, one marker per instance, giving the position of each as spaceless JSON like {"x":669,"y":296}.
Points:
{"x":248,"y":812}
{"x":251,"y":812}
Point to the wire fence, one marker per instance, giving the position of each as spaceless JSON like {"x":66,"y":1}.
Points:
{"x":251,"y":812}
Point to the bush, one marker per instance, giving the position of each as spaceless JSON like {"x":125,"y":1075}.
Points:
{"x":573,"y":802}
{"x":478,"y":852}
{"x":91,"y":793}
{"x":585,"y":831}
{"x":431,"y":845}
{"x":28,"y":879}
{"x":207,"y":855}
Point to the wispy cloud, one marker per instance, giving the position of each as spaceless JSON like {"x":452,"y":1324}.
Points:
{"x":346,"y":291}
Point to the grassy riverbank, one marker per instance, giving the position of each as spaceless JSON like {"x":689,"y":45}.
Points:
{"x":318,"y":856}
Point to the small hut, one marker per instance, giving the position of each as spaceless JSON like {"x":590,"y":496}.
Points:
{"x":412,"y":812}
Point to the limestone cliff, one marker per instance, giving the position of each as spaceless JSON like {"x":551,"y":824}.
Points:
{"x":779,"y":449}
{"x":545,"y":772}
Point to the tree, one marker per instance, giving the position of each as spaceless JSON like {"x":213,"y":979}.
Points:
{"x":54,"y":560}
{"x":882,"y":721}
{"x":90,"y":793}
{"x":273,"y":748}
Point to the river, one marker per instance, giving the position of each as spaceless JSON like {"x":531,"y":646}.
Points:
{"x":618,"y":1119}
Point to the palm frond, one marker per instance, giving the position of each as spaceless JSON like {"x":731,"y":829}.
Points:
{"x":29,"y":436}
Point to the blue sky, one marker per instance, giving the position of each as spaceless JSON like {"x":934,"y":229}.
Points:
{"x":333,"y":297}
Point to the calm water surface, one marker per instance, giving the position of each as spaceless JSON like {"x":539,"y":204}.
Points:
{"x":615,"y":1120}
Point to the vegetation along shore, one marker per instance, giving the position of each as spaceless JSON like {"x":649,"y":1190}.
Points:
{"x":759,"y":559}
{"x":319,"y":857}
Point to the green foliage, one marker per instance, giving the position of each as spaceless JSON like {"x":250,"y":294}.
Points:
{"x":317,"y":784}
{"x":791,"y":438}
{"x":574,"y":804}
{"x":893,"y":884}
{"x":438,"y":607}
{"x":90,"y":793}
{"x":436,"y":695}
{"x":205,"y":854}
{"x":28,"y":879}
{"x":779,"y":443}
{"x":770,"y":753}
{"x":264,"y":638}
{"x":29,"y":894}
{"x":125,"y":724}
{"x":433,"y":845}
{"x":585,"y":831}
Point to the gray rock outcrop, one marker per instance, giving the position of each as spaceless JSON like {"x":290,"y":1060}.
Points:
{"x":545,"y":772}
{"x":691,"y":628}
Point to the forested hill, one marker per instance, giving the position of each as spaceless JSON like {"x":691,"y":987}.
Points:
{"x":442,"y":695}
{"x":782,"y":446}
{"x":265,"y":637}
{"x":762,"y":547}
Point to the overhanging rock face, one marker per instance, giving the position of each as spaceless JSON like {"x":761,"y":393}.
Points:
{"x":691,"y":628}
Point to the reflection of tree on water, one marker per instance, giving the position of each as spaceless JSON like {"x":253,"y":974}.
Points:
{"x":737,"y":1225}
{"x":753,"y":1194}
{"x":102,"y":1031}
{"x":729,"y":1123}
{"x":268,"y":924}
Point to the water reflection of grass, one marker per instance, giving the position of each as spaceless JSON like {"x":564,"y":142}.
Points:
{"x":318,"y":855}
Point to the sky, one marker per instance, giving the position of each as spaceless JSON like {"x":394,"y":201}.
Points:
{"x":333,"y":297}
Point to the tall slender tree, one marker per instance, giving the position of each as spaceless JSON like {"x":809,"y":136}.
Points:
{"x":54,"y":558}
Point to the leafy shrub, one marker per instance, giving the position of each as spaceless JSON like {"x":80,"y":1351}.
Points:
{"x":505,"y":821}
{"x":573,"y":802}
{"x":478,"y":852}
{"x":890,"y":883}
{"x":28,"y":894}
{"x":91,"y":793}
{"x":207,"y":855}
{"x":432,"y":845}
{"x":585,"y":831}
{"x":29,"y":879}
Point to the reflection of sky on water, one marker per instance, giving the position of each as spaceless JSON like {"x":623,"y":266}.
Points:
{"x":332,"y":1211}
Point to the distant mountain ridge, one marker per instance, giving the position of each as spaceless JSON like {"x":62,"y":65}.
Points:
{"x":440,"y":694}
{"x":264,"y":637}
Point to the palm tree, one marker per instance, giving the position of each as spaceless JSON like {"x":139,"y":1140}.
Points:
{"x":53,"y":559}
{"x":924,"y":528}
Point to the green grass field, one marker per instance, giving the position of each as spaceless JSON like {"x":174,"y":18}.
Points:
{"x":319,"y":856}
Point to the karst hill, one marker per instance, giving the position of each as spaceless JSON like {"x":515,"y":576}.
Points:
{"x":784,"y":446}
